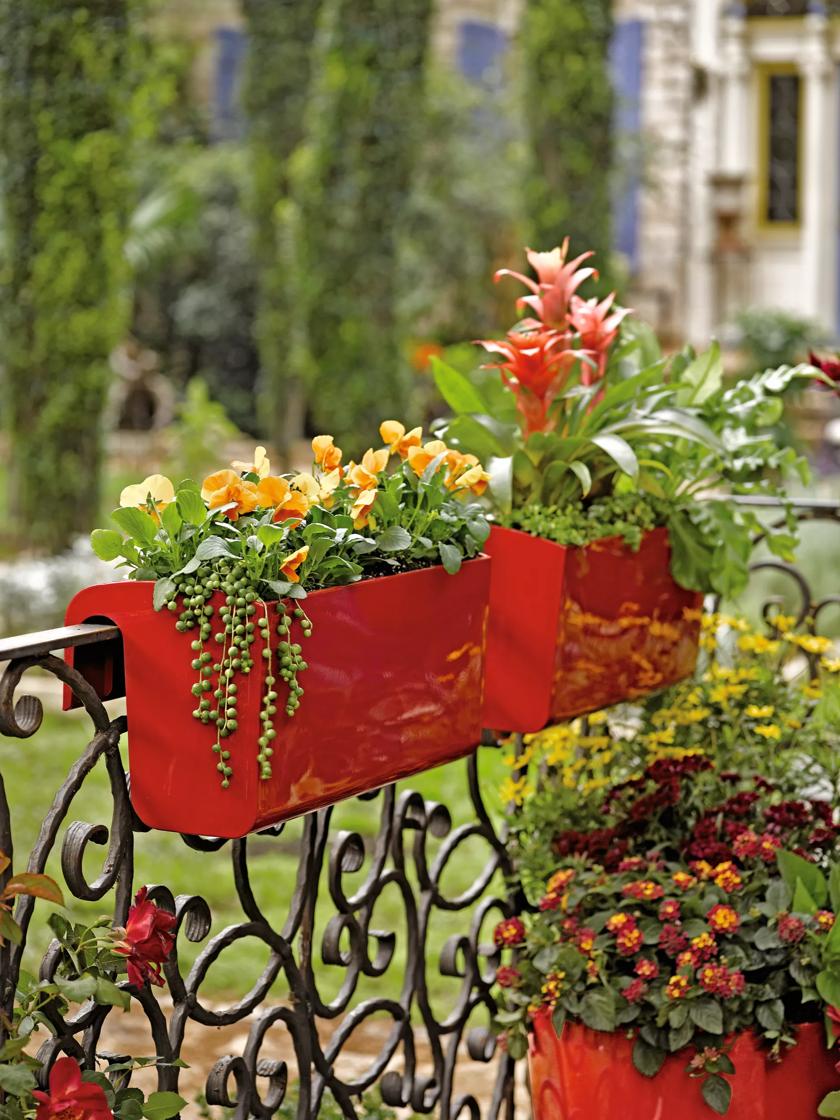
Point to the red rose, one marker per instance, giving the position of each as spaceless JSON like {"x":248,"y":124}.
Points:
{"x":149,"y":939}
{"x":69,"y":1097}
{"x":829,"y":366}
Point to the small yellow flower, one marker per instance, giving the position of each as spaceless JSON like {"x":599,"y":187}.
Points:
{"x":760,"y":711}
{"x":768,"y":731}
{"x":723,"y":693}
{"x":812,"y":690}
{"x":515,"y":790}
{"x":783,"y":622}
{"x":260,"y":466}
{"x":758,"y":643}
{"x":831,"y":664}
{"x":662,"y":738}
{"x":153,"y":494}
{"x":811,"y":643}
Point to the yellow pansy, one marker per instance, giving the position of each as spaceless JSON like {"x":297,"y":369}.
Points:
{"x":260,"y":466}
{"x":759,"y":711}
{"x":153,"y":494}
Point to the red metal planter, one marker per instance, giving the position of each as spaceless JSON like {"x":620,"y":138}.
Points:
{"x":587,"y":1075}
{"x":394,"y":686}
{"x":573,"y":630}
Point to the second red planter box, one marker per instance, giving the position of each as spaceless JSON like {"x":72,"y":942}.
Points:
{"x":394,"y":686}
{"x":573,"y":630}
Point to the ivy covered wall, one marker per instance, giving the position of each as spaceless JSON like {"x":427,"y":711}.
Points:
{"x":66,"y":93}
{"x":568,"y":106}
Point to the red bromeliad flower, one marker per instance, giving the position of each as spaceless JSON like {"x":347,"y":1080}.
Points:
{"x":149,"y":939}
{"x":69,"y":1097}
{"x":536,"y":367}
{"x":597,"y":324}
{"x":557,"y":281}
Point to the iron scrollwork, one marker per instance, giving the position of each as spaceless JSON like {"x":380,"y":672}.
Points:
{"x":418,"y":1062}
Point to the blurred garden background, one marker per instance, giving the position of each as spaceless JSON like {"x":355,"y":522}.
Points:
{"x":231,"y":221}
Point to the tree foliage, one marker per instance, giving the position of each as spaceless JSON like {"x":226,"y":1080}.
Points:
{"x":568,"y":110}
{"x":67,"y":96}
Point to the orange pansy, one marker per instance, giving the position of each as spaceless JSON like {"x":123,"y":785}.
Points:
{"x":291,"y":564}
{"x":398,"y":440}
{"x":327,"y":455}
{"x":420,"y":457}
{"x":362,"y":508}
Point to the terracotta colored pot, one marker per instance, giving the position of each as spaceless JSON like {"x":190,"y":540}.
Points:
{"x":587,"y":1075}
{"x":394,"y":686}
{"x":573,"y":630}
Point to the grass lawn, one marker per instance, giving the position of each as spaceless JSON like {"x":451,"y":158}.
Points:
{"x":33,"y":770}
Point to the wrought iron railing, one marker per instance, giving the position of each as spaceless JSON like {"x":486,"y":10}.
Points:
{"x":423,"y":1058}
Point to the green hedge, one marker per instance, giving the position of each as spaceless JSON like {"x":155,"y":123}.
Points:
{"x":67,"y":100}
{"x":568,"y":110}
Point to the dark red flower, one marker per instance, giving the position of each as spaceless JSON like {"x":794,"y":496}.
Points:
{"x":791,"y":928}
{"x":509,"y":932}
{"x":669,"y":911}
{"x":149,"y":938}
{"x":69,"y":1097}
{"x":833,"y":1014}
{"x":635,"y":991}
{"x":672,"y":940}
{"x":829,"y":366}
{"x":508,"y":976}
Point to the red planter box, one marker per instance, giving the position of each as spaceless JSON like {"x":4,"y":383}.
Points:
{"x":587,"y":1075}
{"x":394,"y":686}
{"x":573,"y":630}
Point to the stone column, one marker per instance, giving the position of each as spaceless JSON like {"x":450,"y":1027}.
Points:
{"x":819,"y":171}
{"x":733,"y":154}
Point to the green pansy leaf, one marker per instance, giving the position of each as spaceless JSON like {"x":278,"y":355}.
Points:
{"x":191,"y":506}
{"x":106,"y":543}
{"x":394,"y":539}
{"x":138,"y":524}
{"x":451,"y":557}
{"x":171,"y":519}
{"x":163,"y":591}
{"x":212,"y":548}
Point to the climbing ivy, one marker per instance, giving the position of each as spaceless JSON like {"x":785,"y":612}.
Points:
{"x":350,"y":182}
{"x":68,"y":106}
{"x":568,"y":112}
{"x":277,"y":80}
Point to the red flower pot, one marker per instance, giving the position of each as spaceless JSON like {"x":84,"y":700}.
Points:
{"x":587,"y":1075}
{"x":394,"y":686}
{"x":573,"y":630}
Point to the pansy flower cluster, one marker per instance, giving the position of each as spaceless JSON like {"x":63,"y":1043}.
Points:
{"x":234,"y":556}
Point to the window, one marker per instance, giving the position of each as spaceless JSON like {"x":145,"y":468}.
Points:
{"x":780,"y":163}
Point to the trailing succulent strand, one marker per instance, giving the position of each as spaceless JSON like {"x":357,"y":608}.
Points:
{"x":236,"y":627}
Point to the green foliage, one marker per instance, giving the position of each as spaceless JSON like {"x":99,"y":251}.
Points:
{"x":351,"y":177}
{"x":772,"y":337}
{"x":568,"y":104}
{"x":628,"y":516}
{"x":281,"y":34}
{"x":202,"y":426}
{"x":71,"y":109}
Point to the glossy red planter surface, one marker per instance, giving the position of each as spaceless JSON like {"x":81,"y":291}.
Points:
{"x":573,"y":630}
{"x":587,"y":1075}
{"x":393,"y":687}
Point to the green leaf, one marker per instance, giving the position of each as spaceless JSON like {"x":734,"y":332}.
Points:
{"x":779,"y":896}
{"x":834,"y":887}
{"x":451,"y":557}
{"x":106,"y":543}
{"x":703,"y":377}
{"x":583,"y":475}
{"x":76,"y":990}
{"x":457,"y":390}
{"x":679,"y":1037}
{"x":828,"y":985}
{"x":771,"y":1015}
{"x":500,"y":469}
{"x":9,"y":929}
{"x":191,"y":506}
{"x":517,"y":1044}
{"x":830,"y":1106}
{"x":793,"y":867}
{"x":137,"y":524}
{"x":802,"y":901}
{"x":394,"y":539}
{"x":38,"y":886}
{"x":162,"y":1106}
{"x":619,"y":450}
{"x":558,"y":1019}
{"x":171,"y":519}
{"x":597,"y":1010}
{"x":271,"y":534}
{"x":163,"y":591}
{"x":17,"y":1079}
{"x":647,"y":1059}
{"x":109,"y":994}
{"x":707,"y":1015}
{"x":717,"y":1093}
{"x":213,"y":548}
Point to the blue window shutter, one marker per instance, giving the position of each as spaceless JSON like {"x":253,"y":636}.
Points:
{"x":481,"y":48}
{"x":626,"y":51}
{"x":228,"y":119}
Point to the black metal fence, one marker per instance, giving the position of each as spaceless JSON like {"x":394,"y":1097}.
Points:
{"x":293,"y":1038}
